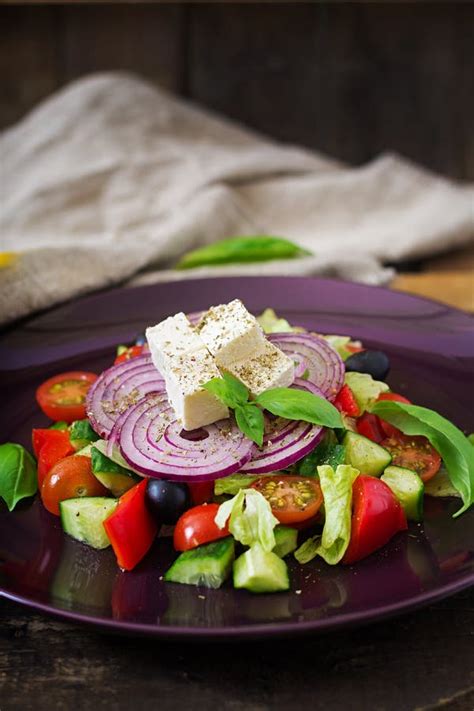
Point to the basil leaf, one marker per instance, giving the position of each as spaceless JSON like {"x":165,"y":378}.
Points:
{"x":250,"y":421}
{"x":228,"y":390}
{"x":18,"y":478}
{"x":218,"y":387}
{"x":236,"y":389}
{"x":300,"y":405}
{"x":454,"y":448}
{"x":259,"y":248}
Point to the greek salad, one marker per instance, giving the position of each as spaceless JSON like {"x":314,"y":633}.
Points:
{"x":253,"y":438}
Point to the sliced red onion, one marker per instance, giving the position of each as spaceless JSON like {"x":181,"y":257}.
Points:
{"x":152,"y":442}
{"x":285,"y":441}
{"x":313,"y":354}
{"x":118,"y":388}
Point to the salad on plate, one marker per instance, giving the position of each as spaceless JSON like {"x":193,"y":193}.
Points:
{"x":245,"y":438}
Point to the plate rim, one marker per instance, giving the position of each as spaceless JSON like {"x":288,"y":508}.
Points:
{"x":258,"y":630}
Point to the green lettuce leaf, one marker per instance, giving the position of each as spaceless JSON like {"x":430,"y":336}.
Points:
{"x":250,"y":519}
{"x":366,"y":390}
{"x":233,"y":483}
{"x":270,"y":322}
{"x":336,"y":486}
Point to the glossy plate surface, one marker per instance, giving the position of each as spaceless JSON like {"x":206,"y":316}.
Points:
{"x":431,"y":347}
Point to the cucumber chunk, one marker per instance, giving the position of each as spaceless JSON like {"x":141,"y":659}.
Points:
{"x":408,"y":488}
{"x":366,"y":456}
{"x":260,"y":571}
{"x":83,"y":519}
{"x":285,"y":540}
{"x":208,"y":565}
{"x":110,"y":474}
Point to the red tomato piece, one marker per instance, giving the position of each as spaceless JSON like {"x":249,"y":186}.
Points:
{"x":63,"y":396}
{"x":414,"y":453}
{"x":202,"y":492}
{"x":352,"y":348}
{"x":70,"y":478}
{"x":293,"y":499}
{"x":394,"y":397}
{"x":369,"y":426}
{"x":128,"y":354}
{"x":50,"y":446}
{"x":346,"y":402}
{"x":391,"y":430}
{"x":376,"y":517}
{"x":131,"y":528}
{"x":197,"y":526}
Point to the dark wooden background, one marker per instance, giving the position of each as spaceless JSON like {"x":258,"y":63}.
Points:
{"x":349,"y":79}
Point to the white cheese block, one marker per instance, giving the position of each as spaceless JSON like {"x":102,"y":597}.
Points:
{"x":267,"y":367}
{"x":230,"y":332}
{"x":186,"y":364}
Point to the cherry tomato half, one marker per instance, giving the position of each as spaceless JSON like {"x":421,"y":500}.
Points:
{"x":370,"y":426}
{"x":63,"y":396}
{"x":50,"y":446}
{"x":197,"y":526}
{"x":391,"y":430}
{"x":376,"y":517}
{"x":415,"y":453}
{"x":293,"y":498}
{"x":70,"y":478}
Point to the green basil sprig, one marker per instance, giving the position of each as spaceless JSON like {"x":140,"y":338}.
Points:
{"x":18,"y":478}
{"x":453,"y":446}
{"x":234,"y":250}
{"x":292,"y":404}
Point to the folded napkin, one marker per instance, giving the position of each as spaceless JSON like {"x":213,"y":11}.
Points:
{"x":112,"y":176}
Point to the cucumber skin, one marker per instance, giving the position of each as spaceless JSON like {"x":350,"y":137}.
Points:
{"x":413,"y":503}
{"x":260,"y":571}
{"x":76,"y":527}
{"x":286,"y":540}
{"x":360,"y":453}
{"x":208,"y":565}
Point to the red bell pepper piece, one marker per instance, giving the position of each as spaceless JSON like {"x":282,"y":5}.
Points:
{"x":346,"y":402}
{"x":131,"y":528}
{"x":376,"y":517}
{"x":369,"y":426}
{"x":391,"y":430}
{"x":49,"y":447}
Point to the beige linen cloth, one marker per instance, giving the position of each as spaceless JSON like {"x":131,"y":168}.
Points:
{"x":112,"y":176}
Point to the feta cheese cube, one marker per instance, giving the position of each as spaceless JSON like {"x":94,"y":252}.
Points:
{"x":185,"y":363}
{"x":267,"y":367}
{"x":230,"y":332}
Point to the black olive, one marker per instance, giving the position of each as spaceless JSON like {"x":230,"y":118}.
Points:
{"x":167,"y":500}
{"x":374,"y":363}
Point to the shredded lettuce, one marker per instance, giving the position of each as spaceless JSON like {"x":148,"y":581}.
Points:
{"x":250,"y":519}
{"x":336,"y":486}
{"x":366,"y":390}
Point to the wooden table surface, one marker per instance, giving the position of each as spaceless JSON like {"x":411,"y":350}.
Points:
{"x":422,"y":660}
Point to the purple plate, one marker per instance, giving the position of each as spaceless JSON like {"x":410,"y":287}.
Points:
{"x":431,"y":347}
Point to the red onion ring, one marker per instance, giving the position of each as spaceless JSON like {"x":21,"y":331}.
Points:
{"x":313,"y":354}
{"x":119,"y":387}
{"x":285,"y":441}
{"x":150,"y":441}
